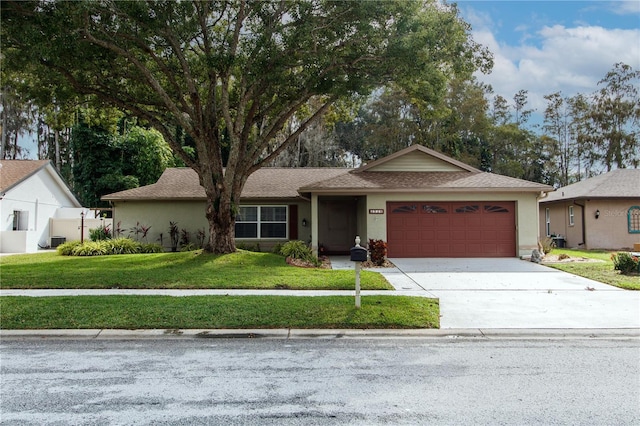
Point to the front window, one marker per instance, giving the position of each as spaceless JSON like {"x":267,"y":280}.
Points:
{"x":633,"y":220}
{"x":547,"y":221}
{"x":571,"y":218}
{"x":261,"y":222}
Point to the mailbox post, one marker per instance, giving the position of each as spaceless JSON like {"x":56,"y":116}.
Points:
{"x":358,"y":255}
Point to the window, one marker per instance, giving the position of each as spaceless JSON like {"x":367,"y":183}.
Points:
{"x":261,"y":222}
{"x":20,"y":220}
{"x":433,"y":209}
{"x":405,"y":209}
{"x":468,"y":209}
{"x":633,"y":219}
{"x":495,"y":209}
{"x":547,"y":221}
{"x":571,"y":217}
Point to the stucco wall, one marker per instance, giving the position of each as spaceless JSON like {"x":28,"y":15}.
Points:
{"x":610,"y":231}
{"x":40,"y":196}
{"x":526,"y":213}
{"x":190,"y":216}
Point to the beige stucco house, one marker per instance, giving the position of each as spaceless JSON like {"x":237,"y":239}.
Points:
{"x":422,"y":203}
{"x":601,"y":212}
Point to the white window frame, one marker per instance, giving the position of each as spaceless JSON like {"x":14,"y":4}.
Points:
{"x":259,"y":222}
{"x":20,"y":220}
{"x":571,"y":216}
{"x":547,"y":221}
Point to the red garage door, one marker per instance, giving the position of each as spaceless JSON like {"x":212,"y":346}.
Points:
{"x":460,"y":229}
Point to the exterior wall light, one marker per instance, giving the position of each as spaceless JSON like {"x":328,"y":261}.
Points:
{"x":304,"y":222}
{"x":597,"y":214}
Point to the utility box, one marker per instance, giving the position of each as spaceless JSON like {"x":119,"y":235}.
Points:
{"x":56,"y":241}
{"x":359,"y":254}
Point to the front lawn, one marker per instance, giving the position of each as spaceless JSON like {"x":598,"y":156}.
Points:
{"x":598,"y":271}
{"x":209,"y":312}
{"x":190,"y":270}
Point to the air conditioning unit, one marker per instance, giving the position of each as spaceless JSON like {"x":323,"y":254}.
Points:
{"x":56,"y":241}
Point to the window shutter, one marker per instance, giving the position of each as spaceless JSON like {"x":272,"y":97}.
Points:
{"x":293,"y":222}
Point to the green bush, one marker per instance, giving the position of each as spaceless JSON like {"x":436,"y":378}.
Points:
{"x":625,"y":263}
{"x":151,"y":248}
{"x":189,"y":247}
{"x":91,"y":248}
{"x":100,"y":233}
{"x":299,"y":250}
{"x":66,"y":249}
{"x":107,"y":247}
{"x":123,"y":246}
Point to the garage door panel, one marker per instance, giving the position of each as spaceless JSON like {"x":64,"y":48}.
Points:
{"x":460,"y":229}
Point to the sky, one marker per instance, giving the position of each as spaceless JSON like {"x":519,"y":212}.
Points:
{"x":553,"y":46}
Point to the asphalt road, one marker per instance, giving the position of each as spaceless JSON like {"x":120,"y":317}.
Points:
{"x":434,"y":381}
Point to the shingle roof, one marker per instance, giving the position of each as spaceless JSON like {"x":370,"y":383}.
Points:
{"x":267,"y":182}
{"x":13,"y":172}
{"x":423,"y":181}
{"x":620,"y":183}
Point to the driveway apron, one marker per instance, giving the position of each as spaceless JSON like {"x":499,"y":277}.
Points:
{"x":513,"y":293}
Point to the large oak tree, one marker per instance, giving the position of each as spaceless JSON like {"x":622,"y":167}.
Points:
{"x":231,"y":73}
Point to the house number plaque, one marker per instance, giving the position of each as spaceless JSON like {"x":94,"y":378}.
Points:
{"x":376,"y":211}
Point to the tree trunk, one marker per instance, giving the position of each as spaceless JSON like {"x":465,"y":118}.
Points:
{"x":219,"y":213}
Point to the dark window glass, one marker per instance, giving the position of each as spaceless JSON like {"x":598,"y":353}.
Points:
{"x":426,"y":208}
{"x":405,"y":209}
{"x":468,"y":209}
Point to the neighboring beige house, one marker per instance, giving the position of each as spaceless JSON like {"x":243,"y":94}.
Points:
{"x":31,"y":193}
{"x":422,"y":203}
{"x":602,"y":212}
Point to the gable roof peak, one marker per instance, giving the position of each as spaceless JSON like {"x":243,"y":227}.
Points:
{"x":452,"y":164}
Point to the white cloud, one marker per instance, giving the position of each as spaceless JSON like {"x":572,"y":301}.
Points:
{"x":625,"y":7}
{"x":567,"y":59}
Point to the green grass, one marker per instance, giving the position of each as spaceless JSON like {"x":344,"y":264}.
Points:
{"x":190,"y":270}
{"x":600,"y":271}
{"x":209,"y":312}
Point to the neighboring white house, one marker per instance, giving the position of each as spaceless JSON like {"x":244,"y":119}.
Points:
{"x":31,"y":193}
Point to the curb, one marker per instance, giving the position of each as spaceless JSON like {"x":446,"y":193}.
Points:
{"x":292,"y":334}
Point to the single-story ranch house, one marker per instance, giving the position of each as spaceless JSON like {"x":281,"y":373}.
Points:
{"x":602,"y":212}
{"x":421,"y":202}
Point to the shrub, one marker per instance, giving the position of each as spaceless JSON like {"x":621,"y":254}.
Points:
{"x":189,"y":247}
{"x":91,"y":248}
{"x":123,"y":246}
{"x":66,"y":249}
{"x":377,"y":251}
{"x":173,"y":234}
{"x":547,"y":244}
{"x":299,"y":250}
{"x":625,"y":262}
{"x":151,"y":248}
{"x":100,"y":233}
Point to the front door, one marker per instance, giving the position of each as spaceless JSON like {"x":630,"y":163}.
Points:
{"x":336,"y":225}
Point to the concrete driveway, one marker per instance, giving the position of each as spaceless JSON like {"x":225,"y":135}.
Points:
{"x":512,"y":293}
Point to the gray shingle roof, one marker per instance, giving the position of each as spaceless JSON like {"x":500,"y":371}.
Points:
{"x":266,"y":183}
{"x":621,"y":183}
{"x":423,"y":182}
